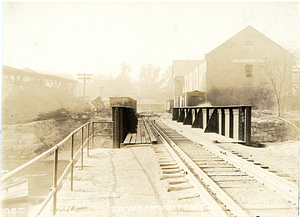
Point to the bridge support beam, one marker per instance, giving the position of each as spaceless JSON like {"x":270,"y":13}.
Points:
{"x":227,"y":124}
{"x":230,"y":121}
{"x":220,"y":119}
{"x":189,"y":117}
{"x":116,"y":131}
{"x":181,"y":115}
{"x":198,"y":123}
{"x":204,"y":112}
{"x":242,"y":123}
{"x":175,"y":114}
{"x":248,"y":126}
{"x":235,"y":124}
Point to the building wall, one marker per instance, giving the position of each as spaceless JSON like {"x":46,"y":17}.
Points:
{"x":179,"y":85}
{"x":169,"y":105}
{"x":196,"y":79}
{"x":237,"y":62}
{"x":151,"y":107}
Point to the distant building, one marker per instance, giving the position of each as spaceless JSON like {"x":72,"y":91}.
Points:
{"x":233,"y":64}
{"x":150,"y":106}
{"x":169,"y":105}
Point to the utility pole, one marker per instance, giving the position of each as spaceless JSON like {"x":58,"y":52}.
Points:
{"x":84,"y":77}
{"x":101,"y":88}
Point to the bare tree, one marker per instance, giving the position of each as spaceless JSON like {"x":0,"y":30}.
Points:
{"x":278,"y":66}
{"x":167,"y":83}
{"x":149,"y":81}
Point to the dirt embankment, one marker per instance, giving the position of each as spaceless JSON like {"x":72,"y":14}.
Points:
{"x":22,"y":142}
{"x":36,"y":117}
{"x":28,"y":102}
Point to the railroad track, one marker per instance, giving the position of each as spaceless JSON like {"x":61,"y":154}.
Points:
{"x":224,"y":180}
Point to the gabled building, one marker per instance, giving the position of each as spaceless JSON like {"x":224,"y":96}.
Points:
{"x":235,"y":64}
{"x":186,"y":81}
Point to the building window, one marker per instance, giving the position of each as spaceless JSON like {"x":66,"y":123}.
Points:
{"x":249,"y":44}
{"x":249,"y":70}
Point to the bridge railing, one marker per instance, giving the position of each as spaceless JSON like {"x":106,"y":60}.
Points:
{"x":39,"y":166}
{"x":230,"y":121}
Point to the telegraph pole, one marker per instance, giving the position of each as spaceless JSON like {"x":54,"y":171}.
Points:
{"x":84,"y":77}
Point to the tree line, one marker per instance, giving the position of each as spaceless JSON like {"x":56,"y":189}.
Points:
{"x":152,"y":84}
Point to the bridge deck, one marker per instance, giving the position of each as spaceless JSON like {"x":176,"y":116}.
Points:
{"x":143,"y":135}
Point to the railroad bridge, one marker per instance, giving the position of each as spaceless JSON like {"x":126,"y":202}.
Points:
{"x":18,"y":77}
{"x":196,"y":163}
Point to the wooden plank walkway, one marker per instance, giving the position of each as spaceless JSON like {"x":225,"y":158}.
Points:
{"x":144,"y":134}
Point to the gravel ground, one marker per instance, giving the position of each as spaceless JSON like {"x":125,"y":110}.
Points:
{"x":282,"y":157}
{"x":123,"y":182}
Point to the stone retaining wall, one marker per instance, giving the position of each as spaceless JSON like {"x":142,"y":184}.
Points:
{"x":21,"y":140}
{"x":272,"y":131}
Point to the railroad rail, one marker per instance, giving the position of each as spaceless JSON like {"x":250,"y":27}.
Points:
{"x":230,"y":179}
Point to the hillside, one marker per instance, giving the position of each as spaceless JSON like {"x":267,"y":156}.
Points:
{"x":24,"y":103}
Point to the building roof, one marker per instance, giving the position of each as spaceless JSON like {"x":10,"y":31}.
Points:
{"x":248,"y":34}
{"x":184,"y":67}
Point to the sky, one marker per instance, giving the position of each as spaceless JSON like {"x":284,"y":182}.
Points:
{"x":97,"y":37}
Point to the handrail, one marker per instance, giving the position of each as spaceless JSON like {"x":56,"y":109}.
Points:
{"x":24,"y":166}
{"x":70,"y":166}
